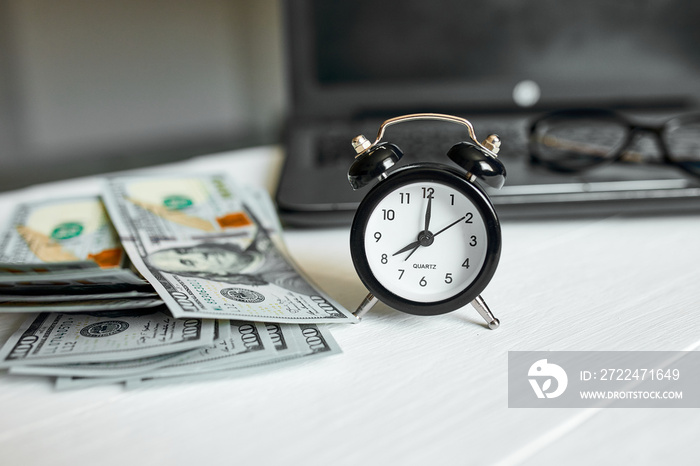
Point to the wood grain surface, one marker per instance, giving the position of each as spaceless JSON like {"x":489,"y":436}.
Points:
{"x":406,"y":390}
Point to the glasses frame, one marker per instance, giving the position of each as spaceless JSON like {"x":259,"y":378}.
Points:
{"x":623,"y":153}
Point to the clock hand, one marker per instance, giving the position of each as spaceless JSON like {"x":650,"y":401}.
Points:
{"x":411,"y":253}
{"x":413,"y":245}
{"x":427,"y":213}
{"x":416,"y":244}
{"x":450,"y":225}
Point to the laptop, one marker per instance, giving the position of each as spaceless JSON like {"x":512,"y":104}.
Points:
{"x":354,"y":63}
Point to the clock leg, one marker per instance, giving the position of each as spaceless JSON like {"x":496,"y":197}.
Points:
{"x":483,"y":310}
{"x":366,"y":304}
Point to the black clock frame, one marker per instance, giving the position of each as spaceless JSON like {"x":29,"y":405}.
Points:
{"x":427,"y":172}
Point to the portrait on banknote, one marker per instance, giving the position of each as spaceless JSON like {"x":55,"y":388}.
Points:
{"x":258,"y":264}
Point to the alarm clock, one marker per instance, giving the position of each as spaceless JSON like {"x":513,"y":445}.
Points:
{"x":426,"y":239}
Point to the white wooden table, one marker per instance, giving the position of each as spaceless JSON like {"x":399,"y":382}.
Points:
{"x":406,"y":390}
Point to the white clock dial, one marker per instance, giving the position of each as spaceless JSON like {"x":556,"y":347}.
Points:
{"x":425,"y":264}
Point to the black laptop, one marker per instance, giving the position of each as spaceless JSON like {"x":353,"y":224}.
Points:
{"x":500,"y":64}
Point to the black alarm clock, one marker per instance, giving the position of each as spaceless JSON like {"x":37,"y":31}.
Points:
{"x":426,"y":239}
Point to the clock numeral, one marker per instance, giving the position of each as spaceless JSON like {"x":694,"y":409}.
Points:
{"x":385,"y":259}
{"x":448,"y":278}
{"x":389,"y":214}
{"x":428,"y":193}
{"x":465,"y":264}
{"x":473,"y":241}
{"x":377,"y":235}
{"x":423,"y":282}
{"x":402,"y":272}
{"x":468,"y":218}
{"x":452,"y":199}
{"x":407,"y":197}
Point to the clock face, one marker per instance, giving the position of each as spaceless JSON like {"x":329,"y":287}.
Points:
{"x":429,"y":244}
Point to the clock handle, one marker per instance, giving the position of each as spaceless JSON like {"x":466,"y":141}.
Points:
{"x":426,"y":116}
{"x":480,"y":305}
{"x":490,"y":145}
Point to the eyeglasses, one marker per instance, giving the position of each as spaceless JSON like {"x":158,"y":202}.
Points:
{"x":573,"y":141}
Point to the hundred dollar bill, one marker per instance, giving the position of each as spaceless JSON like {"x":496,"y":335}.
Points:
{"x":59,"y":235}
{"x":248,"y":342}
{"x":108,"y":370}
{"x":92,"y":305}
{"x":73,"y":383}
{"x":239,"y":341}
{"x":55,"y":298}
{"x":201,"y":242}
{"x":301,"y":340}
{"x":259,"y":344}
{"x":69,"y":281}
{"x":56,"y":338}
{"x":294,"y":343}
{"x":120,"y":369}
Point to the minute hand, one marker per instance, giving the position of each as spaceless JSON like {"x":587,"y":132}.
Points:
{"x":414,"y":245}
{"x":450,"y":225}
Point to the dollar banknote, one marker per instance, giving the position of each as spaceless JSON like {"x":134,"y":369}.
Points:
{"x":108,"y":280}
{"x":292,"y":343}
{"x":248,"y":342}
{"x":82,"y":305}
{"x":265,"y":343}
{"x":75,"y":382}
{"x":57,"y":298}
{"x":59,"y":235}
{"x":110,"y":369}
{"x":58,"y":338}
{"x":210,"y":251}
{"x":113,"y":369}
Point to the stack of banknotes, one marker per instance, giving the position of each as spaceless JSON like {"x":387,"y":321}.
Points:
{"x":157,"y":279}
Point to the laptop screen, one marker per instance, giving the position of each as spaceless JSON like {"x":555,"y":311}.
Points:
{"x":360,"y":56}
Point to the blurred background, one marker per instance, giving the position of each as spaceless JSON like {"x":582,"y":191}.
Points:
{"x":91,"y":87}
{"x":96,"y":86}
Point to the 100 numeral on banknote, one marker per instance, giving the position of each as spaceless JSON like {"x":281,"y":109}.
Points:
{"x":200,"y":242}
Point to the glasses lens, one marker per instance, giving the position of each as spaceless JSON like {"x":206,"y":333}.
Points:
{"x":682,"y":138}
{"x":574,"y":143}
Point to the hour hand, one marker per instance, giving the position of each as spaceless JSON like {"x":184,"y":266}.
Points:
{"x":413,"y":245}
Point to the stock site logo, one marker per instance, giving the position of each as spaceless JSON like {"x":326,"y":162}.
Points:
{"x":545,"y":372}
